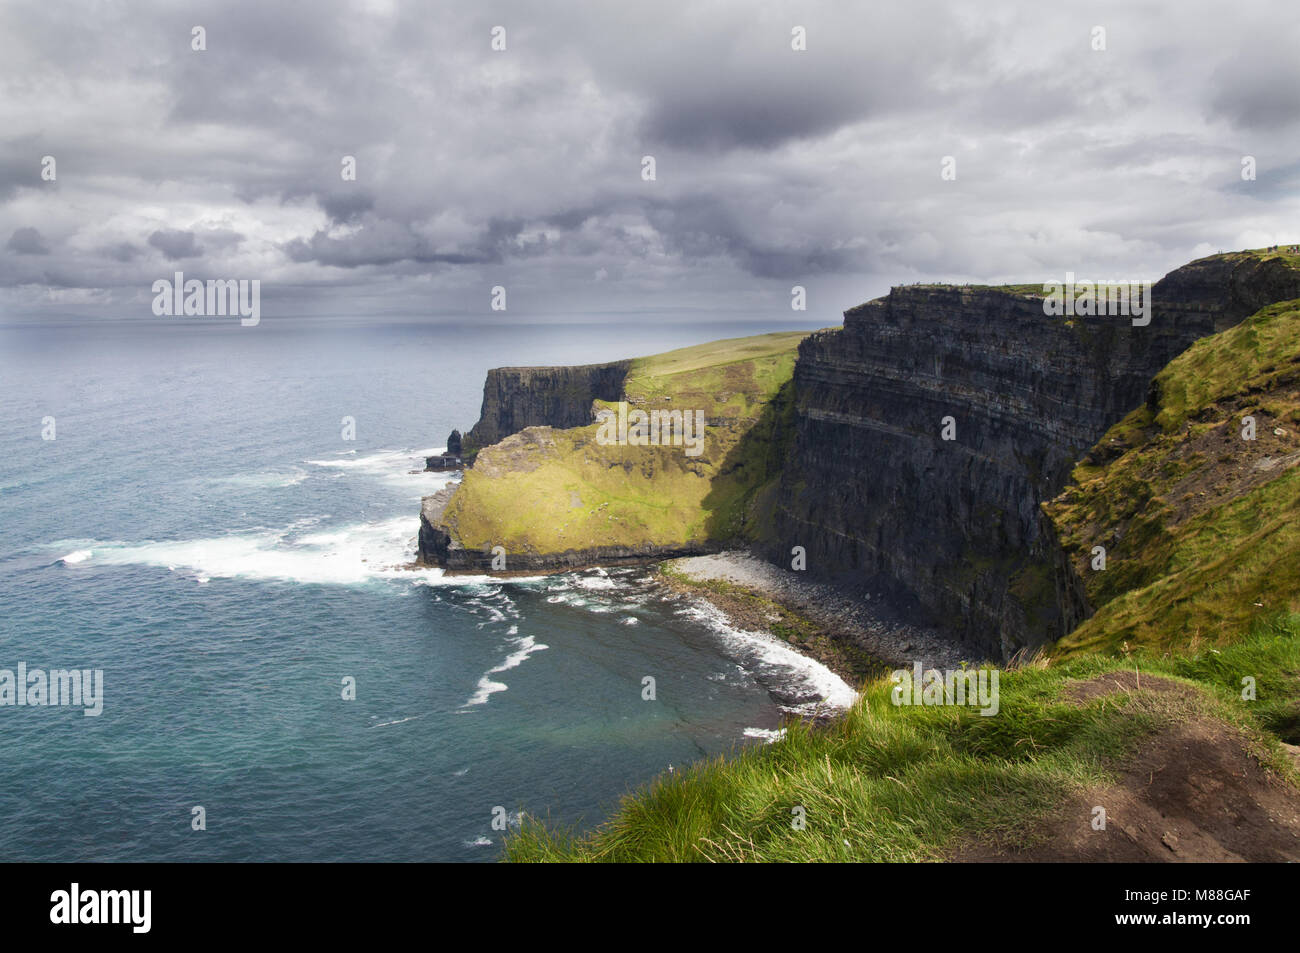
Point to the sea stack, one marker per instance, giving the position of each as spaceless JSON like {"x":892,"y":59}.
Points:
{"x":451,"y":459}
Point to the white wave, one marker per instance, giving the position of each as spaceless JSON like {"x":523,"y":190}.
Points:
{"x":403,"y":468}
{"x":426,"y":576}
{"x":479,"y":841}
{"x":598,"y":580}
{"x":527,"y":646}
{"x":629,"y":621}
{"x":379,"y":461}
{"x":767,"y":734}
{"x":79,"y":556}
{"x":348,"y":555}
{"x":269,"y":479}
{"x":762,"y":651}
{"x":486,"y":689}
{"x":399,"y":721}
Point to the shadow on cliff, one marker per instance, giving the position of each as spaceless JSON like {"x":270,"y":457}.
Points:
{"x":741,"y":502}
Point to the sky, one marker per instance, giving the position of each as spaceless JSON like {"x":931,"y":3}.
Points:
{"x":523,"y":167}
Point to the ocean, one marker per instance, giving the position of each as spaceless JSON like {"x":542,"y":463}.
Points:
{"x":199,"y":529}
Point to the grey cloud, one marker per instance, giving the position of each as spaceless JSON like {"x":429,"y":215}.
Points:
{"x":19,"y":168}
{"x":378,"y":243}
{"x":700,"y":227}
{"x":346,"y":206}
{"x":121,"y":251}
{"x":220,"y":239}
{"x":175,"y":244}
{"x":27,"y":241}
{"x":1258,"y":87}
{"x":743,"y":120}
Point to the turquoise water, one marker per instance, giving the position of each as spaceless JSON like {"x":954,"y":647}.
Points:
{"x":201,"y":532}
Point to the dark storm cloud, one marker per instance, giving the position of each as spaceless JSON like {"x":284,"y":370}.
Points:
{"x":27,"y":241}
{"x":745,"y":120}
{"x":699,"y":226}
{"x":714,"y":104}
{"x":377,"y":243}
{"x":345,"y":206}
{"x":175,"y":244}
{"x":380,"y":242}
{"x":221,"y":238}
{"x":774,"y":166}
{"x":120,"y":251}
{"x":1257,"y":87}
{"x":19,"y":167}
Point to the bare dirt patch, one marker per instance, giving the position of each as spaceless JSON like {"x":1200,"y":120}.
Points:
{"x":1225,"y":467}
{"x":1195,"y":792}
{"x":1112,"y":683}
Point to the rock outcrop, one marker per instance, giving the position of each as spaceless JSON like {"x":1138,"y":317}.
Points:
{"x":688,"y":460}
{"x":561,"y":397}
{"x":877,"y":497}
{"x":439,"y":545}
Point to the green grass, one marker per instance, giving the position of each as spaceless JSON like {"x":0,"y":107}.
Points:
{"x":715,"y":354}
{"x":1201,"y":528}
{"x":889,"y":783}
{"x":1291,"y":259}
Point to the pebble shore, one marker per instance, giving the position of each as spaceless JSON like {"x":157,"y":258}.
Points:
{"x":847,"y":615}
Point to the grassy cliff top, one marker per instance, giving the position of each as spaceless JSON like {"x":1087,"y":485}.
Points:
{"x":1283,"y":253}
{"x":1201,"y":527}
{"x":1034,"y":289}
{"x":549,"y":491}
{"x":715,"y":353}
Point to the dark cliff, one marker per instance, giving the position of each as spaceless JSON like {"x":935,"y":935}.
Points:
{"x":519,"y":397}
{"x":874,"y":494}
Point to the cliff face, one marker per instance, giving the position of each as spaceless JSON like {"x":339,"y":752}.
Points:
{"x":874,"y":494}
{"x":519,"y":397}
